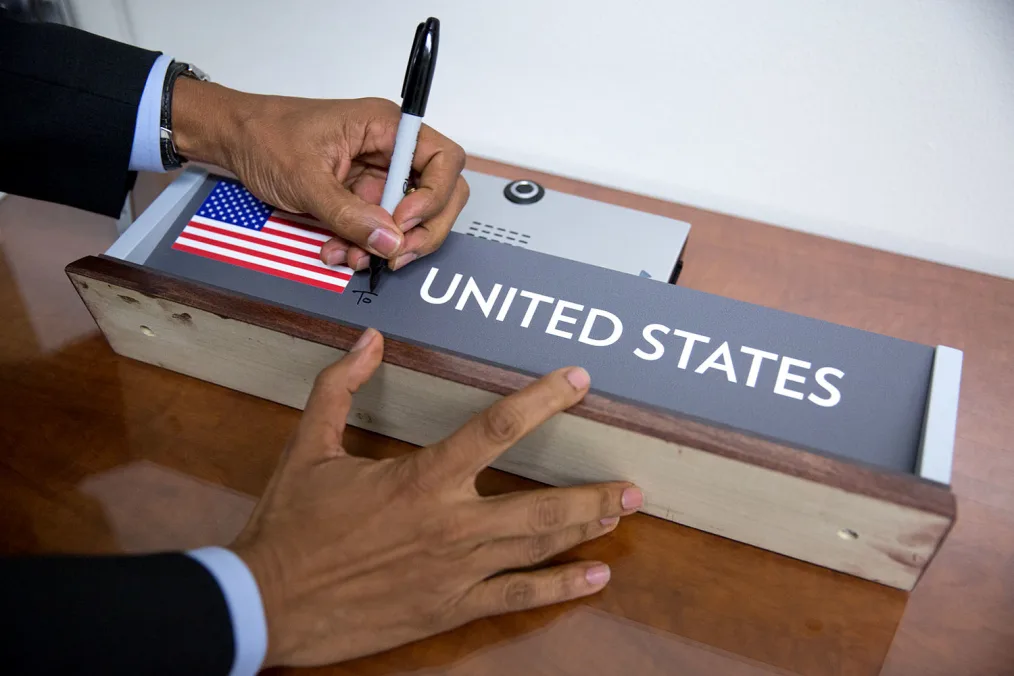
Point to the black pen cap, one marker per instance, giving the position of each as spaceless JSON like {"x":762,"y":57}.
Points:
{"x":422,"y":61}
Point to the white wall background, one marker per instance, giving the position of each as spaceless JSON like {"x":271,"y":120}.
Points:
{"x":887,"y":123}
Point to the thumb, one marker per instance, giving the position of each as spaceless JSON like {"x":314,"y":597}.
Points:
{"x":354,"y":219}
{"x":323,"y":423}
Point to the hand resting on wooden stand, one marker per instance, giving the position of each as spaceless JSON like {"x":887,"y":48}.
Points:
{"x":354,"y":556}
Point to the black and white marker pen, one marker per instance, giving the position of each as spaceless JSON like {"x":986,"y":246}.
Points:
{"x":415,"y":91}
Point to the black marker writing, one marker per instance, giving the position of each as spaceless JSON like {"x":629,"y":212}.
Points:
{"x":364,"y":296}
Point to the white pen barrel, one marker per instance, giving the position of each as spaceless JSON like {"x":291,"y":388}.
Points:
{"x":401,"y":162}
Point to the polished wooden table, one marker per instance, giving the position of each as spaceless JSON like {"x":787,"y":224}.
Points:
{"x":103,"y":454}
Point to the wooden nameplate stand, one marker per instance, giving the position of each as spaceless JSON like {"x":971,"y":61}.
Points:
{"x":879,"y":526}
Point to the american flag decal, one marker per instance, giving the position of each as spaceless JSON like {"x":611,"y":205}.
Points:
{"x":234,"y":227}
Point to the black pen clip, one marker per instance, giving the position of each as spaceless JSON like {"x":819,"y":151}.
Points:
{"x":422,"y":61}
{"x":413,"y":57}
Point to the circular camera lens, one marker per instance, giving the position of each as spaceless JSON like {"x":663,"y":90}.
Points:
{"x":523,"y":192}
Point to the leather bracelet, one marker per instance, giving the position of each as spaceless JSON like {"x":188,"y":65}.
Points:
{"x":171,"y":159}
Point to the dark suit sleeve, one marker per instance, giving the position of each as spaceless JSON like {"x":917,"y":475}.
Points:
{"x":152,"y":614}
{"x":68,"y":104}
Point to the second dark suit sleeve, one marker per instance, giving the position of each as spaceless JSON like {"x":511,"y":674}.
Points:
{"x":152,"y":614}
{"x":68,"y":105}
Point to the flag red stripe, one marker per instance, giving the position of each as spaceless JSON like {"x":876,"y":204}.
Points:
{"x":271,"y":257}
{"x":281,"y":233}
{"x":247,"y":238}
{"x":267,"y":228}
{"x":259,"y":268}
{"x":297,"y":224}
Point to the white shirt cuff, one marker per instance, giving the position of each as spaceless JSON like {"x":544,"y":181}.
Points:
{"x":146,"y":153}
{"x":249,"y":625}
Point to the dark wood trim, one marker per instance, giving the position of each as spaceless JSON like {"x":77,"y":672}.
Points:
{"x":896,"y":488}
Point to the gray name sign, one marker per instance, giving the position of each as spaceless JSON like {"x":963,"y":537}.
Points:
{"x":800,"y":381}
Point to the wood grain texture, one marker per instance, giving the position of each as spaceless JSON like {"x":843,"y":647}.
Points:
{"x":714,"y":492}
{"x":104,"y":454}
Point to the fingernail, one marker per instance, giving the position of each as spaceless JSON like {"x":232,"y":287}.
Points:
{"x":335,"y":256}
{"x":404,"y":260}
{"x":362,"y":263}
{"x":383,"y":241}
{"x":364,"y":340}
{"x":609,"y":521}
{"x":579,"y":378}
{"x":409,"y":224}
{"x":597,"y":575}
{"x":632,"y":498}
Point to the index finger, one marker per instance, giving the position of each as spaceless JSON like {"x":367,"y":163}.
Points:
{"x":439,"y":162}
{"x":483,"y":438}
